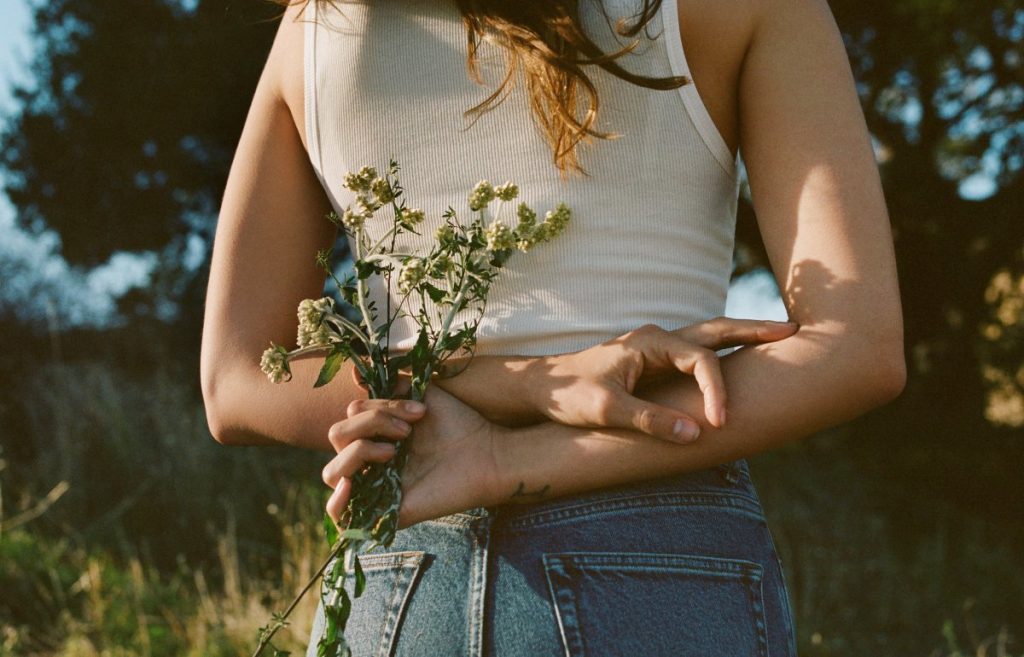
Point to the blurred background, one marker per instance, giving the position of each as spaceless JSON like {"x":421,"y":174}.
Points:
{"x":126,"y":530}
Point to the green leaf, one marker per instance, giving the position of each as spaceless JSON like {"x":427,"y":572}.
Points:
{"x":330,"y":529}
{"x":435,"y":293}
{"x":331,"y":365}
{"x":345,"y":610}
{"x":358,"y":534}
{"x":360,"y":579}
{"x":364,"y":269}
{"x":350,"y":294}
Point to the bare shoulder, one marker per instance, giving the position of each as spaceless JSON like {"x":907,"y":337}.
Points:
{"x":716,"y":36}
{"x":285,"y":63}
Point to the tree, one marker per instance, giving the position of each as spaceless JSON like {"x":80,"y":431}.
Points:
{"x":124,"y":141}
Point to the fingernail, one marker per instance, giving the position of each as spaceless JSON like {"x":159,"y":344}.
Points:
{"x":401,"y":424}
{"x":686,"y":429}
{"x":413,"y":406}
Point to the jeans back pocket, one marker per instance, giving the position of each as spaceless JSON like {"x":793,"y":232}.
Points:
{"x":376,"y":615}
{"x":657,"y":604}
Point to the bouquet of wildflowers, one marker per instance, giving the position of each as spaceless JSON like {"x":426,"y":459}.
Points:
{"x":455,"y":276}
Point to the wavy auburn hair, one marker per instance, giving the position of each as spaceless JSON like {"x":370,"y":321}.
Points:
{"x":544,"y":38}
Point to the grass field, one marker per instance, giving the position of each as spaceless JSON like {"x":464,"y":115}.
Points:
{"x":127,"y":531}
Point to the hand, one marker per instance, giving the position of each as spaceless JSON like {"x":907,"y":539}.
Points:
{"x":451,"y":464}
{"x":594,"y":387}
{"x":354,"y":441}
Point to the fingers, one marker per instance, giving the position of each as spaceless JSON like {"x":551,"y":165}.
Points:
{"x":353,"y":438}
{"x":338,"y":500}
{"x":354,"y":457}
{"x":383,"y":418}
{"x":662,"y":348}
{"x":722,"y":332}
{"x":704,"y":366}
{"x":629,"y":412}
{"x":667,"y":349}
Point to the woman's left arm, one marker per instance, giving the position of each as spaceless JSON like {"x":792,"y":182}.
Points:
{"x":822,"y":215}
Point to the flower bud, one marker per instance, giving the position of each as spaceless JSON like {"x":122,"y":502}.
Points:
{"x":274,"y":363}
{"x":482,"y":194}
{"x":312,"y":330}
{"x":506,"y":192}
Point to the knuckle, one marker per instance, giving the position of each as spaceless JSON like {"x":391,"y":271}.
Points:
{"x":326,"y":474}
{"x":706,"y":355}
{"x":643,"y":331}
{"x":354,"y":407}
{"x":649,"y":329}
{"x":336,"y":435}
{"x":721,"y":327}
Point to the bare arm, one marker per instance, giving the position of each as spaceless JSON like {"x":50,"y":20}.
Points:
{"x":270,"y":227}
{"x":822,"y":214}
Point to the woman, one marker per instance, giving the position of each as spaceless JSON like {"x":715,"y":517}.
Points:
{"x":567,"y":495}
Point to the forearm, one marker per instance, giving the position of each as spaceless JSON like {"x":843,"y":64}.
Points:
{"x":777,"y":393}
{"x":497,"y":387}
{"x":247,"y":409}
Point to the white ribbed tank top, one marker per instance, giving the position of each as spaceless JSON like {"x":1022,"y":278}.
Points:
{"x":652,"y":231}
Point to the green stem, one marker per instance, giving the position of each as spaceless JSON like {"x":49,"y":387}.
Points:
{"x":361,"y":293}
{"x":265,"y":641}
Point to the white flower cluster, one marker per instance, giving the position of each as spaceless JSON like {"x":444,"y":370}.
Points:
{"x":412,"y":275}
{"x":382,"y":190}
{"x":528,"y":233}
{"x":372,"y":192}
{"x":499,"y":237}
{"x":482,"y":194}
{"x":362,"y":180}
{"x":353,"y":220}
{"x":557,"y":219}
{"x":445,"y":235}
{"x":506,"y":192}
{"x":274,"y":364}
{"x":312,"y":329}
{"x":412,"y":216}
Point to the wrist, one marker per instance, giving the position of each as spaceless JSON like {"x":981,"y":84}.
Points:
{"x":496,"y":489}
{"x":532,"y":383}
{"x":521,"y":471}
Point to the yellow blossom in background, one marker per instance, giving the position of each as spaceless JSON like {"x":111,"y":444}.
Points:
{"x":1005,"y":395}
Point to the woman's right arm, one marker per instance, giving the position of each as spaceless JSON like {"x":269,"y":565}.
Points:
{"x":271,"y":225}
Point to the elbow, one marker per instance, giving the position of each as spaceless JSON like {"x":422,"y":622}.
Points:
{"x":216,"y":420}
{"x":215,"y":423}
{"x":884,"y":367}
{"x":219,"y":430}
{"x":892,"y":379}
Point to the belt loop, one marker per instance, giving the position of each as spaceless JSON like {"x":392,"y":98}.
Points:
{"x":730,"y":471}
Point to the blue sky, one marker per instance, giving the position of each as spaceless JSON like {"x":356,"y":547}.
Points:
{"x":42,"y":282}
{"x":14,"y":45}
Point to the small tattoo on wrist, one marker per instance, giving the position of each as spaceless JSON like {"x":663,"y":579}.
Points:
{"x":538,"y":493}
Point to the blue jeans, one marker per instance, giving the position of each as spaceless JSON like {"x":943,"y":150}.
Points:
{"x":681,"y":566}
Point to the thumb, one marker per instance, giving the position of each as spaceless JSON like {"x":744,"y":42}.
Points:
{"x":654,"y":420}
